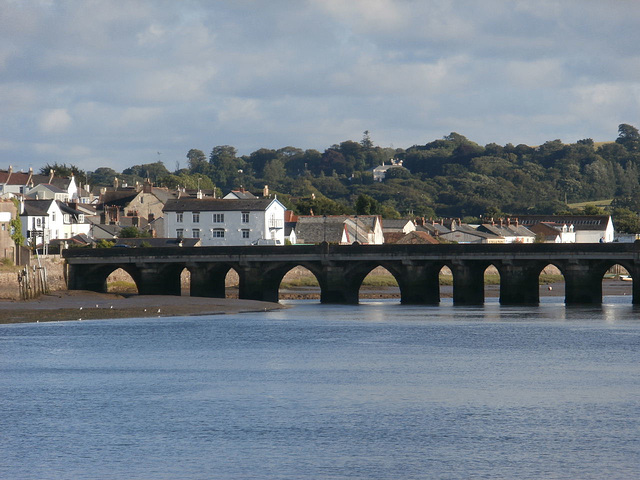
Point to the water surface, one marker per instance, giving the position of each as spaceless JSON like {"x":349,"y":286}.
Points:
{"x":377,"y":390}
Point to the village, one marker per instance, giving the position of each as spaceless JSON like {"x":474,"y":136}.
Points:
{"x":57,"y":212}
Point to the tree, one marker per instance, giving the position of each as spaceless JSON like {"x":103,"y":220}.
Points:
{"x":15,"y":226}
{"x":625,"y":220}
{"x":629,"y":137}
{"x":197,"y":160}
{"x":153,"y":171}
{"x":62,"y":170}
{"x":103,"y":176}
{"x":133,"y":232}
{"x":367,"y":205}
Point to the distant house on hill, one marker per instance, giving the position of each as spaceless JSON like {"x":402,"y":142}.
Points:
{"x":380,"y":172}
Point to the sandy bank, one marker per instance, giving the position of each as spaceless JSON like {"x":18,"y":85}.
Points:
{"x":75,"y":305}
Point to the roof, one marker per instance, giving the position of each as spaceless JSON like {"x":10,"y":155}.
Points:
{"x":411,"y":238}
{"x":393,"y":224}
{"x":508,"y":230}
{"x":118,"y":198}
{"x":217,"y":204}
{"x":579,"y":222}
{"x":37,"y":208}
{"x":240,"y":194}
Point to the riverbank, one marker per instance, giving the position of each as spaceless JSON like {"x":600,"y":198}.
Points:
{"x":83,"y":305}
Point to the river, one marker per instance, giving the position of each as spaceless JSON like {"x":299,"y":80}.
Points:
{"x":374,"y":391}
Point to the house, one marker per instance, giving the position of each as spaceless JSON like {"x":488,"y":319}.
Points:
{"x":393,"y":225}
{"x":412,"y":238}
{"x":511,"y":232}
{"x":587,"y":228}
{"x":467,"y":234}
{"x":380,"y":172}
{"x":339,"y":229}
{"x":552,"y":233}
{"x":219,"y":221}
{"x":48,"y":191}
{"x":132,"y":206}
{"x":21,"y":183}
{"x":44,"y":220}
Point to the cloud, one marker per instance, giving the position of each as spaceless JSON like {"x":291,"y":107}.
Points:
{"x":119,"y":81}
{"x":55,"y":121}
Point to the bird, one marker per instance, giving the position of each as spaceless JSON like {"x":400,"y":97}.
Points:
{"x":550,"y":288}
{"x":80,"y":308}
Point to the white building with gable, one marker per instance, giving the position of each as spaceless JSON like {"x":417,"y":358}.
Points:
{"x":216,"y":221}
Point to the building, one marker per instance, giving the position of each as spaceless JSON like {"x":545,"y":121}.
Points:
{"x":45,"y":220}
{"x":511,"y":232}
{"x":8,"y":212}
{"x":339,"y":229}
{"x":21,"y":183}
{"x":226,"y":221}
{"x":587,"y":228}
{"x":132,"y":206}
{"x":380,"y":172}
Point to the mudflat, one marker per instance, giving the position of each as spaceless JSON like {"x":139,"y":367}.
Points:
{"x":84,"y":305}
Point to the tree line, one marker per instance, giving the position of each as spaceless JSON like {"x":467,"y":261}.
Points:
{"x":448,"y":177}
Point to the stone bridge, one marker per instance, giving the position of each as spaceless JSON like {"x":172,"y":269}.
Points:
{"x":340,"y":269}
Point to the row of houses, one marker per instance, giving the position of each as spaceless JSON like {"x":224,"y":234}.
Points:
{"x":58,"y":211}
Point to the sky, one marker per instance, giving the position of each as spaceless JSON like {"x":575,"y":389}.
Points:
{"x":119,"y":83}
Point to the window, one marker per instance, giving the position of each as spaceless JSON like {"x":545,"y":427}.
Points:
{"x":179,"y":216}
{"x":245,"y":217}
{"x":53,"y":217}
{"x":196,"y":217}
{"x":245,"y":233}
{"x":196,"y":233}
{"x":180,"y":233}
{"x":218,"y":218}
{"x":218,"y":233}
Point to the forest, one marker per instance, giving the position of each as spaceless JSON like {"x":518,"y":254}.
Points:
{"x":448,"y":177}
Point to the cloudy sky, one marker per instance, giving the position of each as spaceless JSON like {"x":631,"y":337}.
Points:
{"x":118,"y":83}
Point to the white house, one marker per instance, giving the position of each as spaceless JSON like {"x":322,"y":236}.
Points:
{"x":587,"y":228}
{"x":226,"y":221}
{"x":45,"y":220}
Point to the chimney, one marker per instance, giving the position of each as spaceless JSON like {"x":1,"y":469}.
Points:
{"x":51,"y":175}
{"x":115,"y":183}
{"x":516,"y":220}
{"x":265,"y":191}
{"x":147,"y":186}
{"x":508,"y":221}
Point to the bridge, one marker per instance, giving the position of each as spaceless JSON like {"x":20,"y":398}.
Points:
{"x":340,"y":269}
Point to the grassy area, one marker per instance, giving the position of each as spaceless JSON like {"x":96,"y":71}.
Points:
{"x":122,"y":287}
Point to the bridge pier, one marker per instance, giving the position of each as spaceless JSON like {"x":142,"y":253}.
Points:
{"x":255,"y":285}
{"x":582,"y":284}
{"x":336,"y":287}
{"x":468,"y":283}
{"x":519,"y":284}
{"x":158,"y":279}
{"x":419,"y":284}
{"x":208,"y":280}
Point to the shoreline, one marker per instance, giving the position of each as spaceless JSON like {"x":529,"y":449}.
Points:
{"x":85,"y":305}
